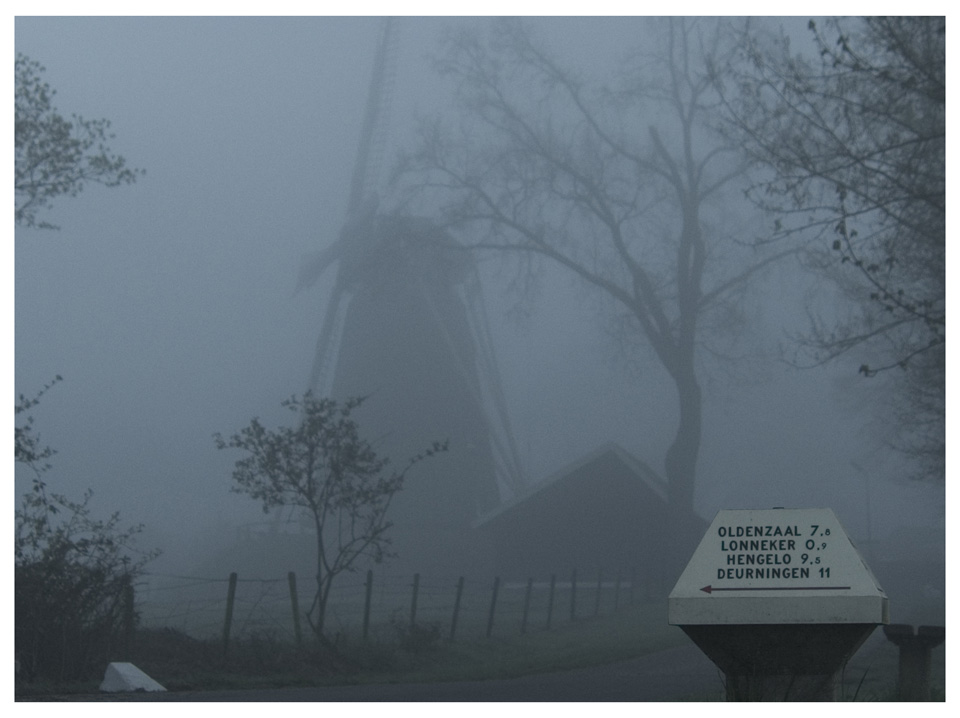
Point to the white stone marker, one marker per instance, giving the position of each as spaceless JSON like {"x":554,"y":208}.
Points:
{"x":127,"y":677}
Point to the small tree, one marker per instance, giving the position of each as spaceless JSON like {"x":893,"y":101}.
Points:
{"x":323,"y":466}
{"x":55,"y":156}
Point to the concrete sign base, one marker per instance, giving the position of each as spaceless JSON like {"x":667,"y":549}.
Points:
{"x":781,"y":662}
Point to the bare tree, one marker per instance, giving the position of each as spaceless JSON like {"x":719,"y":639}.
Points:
{"x":855,"y":140}
{"x":322,"y":465}
{"x":621,"y":185}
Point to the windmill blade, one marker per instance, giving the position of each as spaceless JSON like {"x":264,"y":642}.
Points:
{"x":325,"y":352}
{"x":479,"y":374}
{"x":374,"y":119}
{"x":313,"y":264}
{"x":360,"y":207}
{"x":490,"y":371}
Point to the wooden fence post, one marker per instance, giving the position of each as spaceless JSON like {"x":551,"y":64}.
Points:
{"x":456,"y":608}
{"x":616,"y":592}
{"x":526,"y":605}
{"x":493,"y":605}
{"x":231,"y":594}
{"x":129,"y":619}
{"x":573,"y":595}
{"x":413,"y":603}
{"x":553,"y":585}
{"x":366,"y":604}
{"x":292,"y":581}
{"x":596,"y":604}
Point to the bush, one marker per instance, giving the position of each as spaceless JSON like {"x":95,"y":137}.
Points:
{"x":73,"y":588}
{"x":416,"y":637}
{"x":73,"y":576}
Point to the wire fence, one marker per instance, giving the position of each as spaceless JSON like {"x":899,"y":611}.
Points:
{"x":375,"y":605}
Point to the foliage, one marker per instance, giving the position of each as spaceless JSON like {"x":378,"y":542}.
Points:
{"x":623,"y":186}
{"x":415,"y":637}
{"x":324,"y":467}
{"x":28,"y":450}
{"x":855,"y":141}
{"x":73,"y":574}
{"x":73,"y":587}
{"x":55,"y":156}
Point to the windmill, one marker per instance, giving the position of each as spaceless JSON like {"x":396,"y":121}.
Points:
{"x":405,"y":325}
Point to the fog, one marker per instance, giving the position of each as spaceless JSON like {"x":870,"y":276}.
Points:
{"x":168,"y":306}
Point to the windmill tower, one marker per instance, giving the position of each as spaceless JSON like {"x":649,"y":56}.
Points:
{"x":405,"y":326}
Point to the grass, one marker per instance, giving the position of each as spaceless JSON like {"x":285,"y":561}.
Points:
{"x":394,"y":654}
{"x":871,"y":675}
{"x":586,"y":642}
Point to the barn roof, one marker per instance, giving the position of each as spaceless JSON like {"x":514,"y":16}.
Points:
{"x":572,"y":472}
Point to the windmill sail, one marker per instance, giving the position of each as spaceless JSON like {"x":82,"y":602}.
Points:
{"x":404,"y":326}
{"x":375,"y":116}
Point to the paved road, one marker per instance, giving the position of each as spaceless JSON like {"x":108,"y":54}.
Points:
{"x":675,"y":674}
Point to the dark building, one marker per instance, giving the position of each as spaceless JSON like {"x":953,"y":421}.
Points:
{"x":604,"y":512}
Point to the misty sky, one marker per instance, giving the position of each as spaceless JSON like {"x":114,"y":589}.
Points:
{"x":168,"y":306}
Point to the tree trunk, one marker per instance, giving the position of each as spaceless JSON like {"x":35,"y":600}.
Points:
{"x":681,"y":468}
{"x":321,"y":599}
{"x":681,"y":460}
{"x":321,"y":609}
{"x":683,"y":454}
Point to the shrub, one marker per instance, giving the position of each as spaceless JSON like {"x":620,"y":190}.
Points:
{"x":73,"y":576}
{"x":416,"y":637}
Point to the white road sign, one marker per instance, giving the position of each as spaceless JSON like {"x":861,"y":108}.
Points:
{"x":776,"y":566}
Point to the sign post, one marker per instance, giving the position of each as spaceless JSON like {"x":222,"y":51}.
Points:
{"x":779,"y":599}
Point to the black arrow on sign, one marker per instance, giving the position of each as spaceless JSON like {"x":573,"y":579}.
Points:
{"x":711,"y":589}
